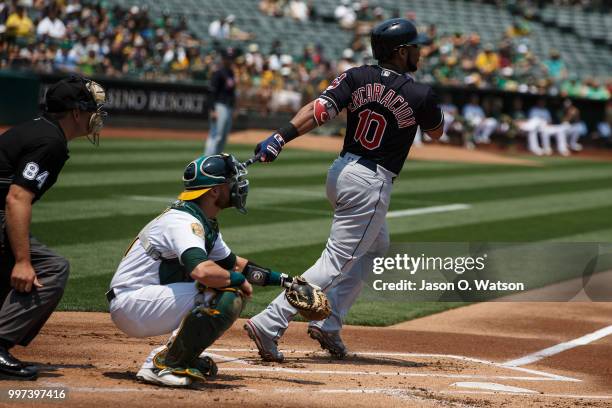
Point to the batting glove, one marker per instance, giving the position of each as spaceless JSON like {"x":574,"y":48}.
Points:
{"x":270,"y":148}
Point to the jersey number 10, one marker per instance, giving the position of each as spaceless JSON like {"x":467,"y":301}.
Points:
{"x":367,"y":119}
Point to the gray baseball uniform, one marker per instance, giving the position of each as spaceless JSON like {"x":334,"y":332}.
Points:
{"x":384,"y":109}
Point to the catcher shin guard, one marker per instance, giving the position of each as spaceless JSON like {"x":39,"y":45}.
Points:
{"x":199,"y":329}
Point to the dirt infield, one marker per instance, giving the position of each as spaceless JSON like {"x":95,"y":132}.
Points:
{"x":452,"y":359}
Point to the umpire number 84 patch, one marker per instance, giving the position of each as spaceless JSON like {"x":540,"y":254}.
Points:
{"x":30,"y":172}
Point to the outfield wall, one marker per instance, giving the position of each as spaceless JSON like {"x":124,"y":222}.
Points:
{"x":135,"y":103}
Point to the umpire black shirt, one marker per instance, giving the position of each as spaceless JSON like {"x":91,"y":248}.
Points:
{"x":32,"y":155}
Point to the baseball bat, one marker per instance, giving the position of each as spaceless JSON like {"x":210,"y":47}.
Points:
{"x":252,"y":160}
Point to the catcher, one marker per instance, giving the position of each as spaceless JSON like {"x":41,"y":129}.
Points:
{"x":179,"y":276}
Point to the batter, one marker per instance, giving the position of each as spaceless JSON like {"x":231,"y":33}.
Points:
{"x":385,"y":106}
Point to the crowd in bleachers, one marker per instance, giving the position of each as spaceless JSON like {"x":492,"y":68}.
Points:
{"x":97,"y":38}
{"x":586,"y":5}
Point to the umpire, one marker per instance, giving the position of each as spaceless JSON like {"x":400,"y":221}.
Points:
{"x":32,"y":154}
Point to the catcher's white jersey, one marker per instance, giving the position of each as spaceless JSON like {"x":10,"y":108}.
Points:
{"x":166,"y":237}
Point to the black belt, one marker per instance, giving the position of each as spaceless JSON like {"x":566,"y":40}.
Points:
{"x":110,"y":295}
{"x":368,"y":164}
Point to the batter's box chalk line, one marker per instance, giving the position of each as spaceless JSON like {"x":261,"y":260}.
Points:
{"x":536,"y":375}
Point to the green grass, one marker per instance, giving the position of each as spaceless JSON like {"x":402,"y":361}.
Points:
{"x":105,"y":196}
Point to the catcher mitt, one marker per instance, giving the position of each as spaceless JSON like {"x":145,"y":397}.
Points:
{"x":310,"y":301}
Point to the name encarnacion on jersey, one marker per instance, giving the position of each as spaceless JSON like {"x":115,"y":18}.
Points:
{"x":394,"y":103}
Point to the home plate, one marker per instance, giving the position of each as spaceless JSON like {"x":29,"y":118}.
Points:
{"x":492,"y":387}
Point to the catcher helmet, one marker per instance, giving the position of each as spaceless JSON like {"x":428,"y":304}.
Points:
{"x":208,"y":171}
{"x":393,"y":34}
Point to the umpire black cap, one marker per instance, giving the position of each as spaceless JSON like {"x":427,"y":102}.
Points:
{"x":392,"y":34}
{"x":70,"y":93}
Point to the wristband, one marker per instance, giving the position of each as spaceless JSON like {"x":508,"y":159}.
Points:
{"x":288,"y":133}
{"x":236,"y":278}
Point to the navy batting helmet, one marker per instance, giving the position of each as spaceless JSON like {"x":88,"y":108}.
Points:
{"x":392,"y":34}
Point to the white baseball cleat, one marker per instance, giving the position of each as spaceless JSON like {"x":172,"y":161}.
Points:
{"x":162,"y":377}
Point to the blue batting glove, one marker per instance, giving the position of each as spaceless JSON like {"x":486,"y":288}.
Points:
{"x":269,"y":149}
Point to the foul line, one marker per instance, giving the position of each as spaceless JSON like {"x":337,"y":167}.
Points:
{"x":427,"y":210}
{"x":559,"y":348}
{"x":391,"y":214}
{"x":528,"y":394}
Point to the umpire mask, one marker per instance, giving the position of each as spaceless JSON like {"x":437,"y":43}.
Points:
{"x":96,"y":122}
{"x":77,"y":92}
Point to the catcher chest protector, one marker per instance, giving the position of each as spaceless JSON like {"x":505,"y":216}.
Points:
{"x":392,"y":34}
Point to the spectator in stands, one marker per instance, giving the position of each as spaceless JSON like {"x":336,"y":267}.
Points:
{"x":223,"y":97}
{"x":64,"y":60}
{"x":78,"y":50}
{"x":4,"y":53}
{"x":298,"y":10}
{"x":51,"y":25}
{"x":594,"y":90}
{"x":518,"y":28}
{"x":555,"y":66}
{"x":4,"y":13}
{"x":347,"y":61}
{"x":220,"y":28}
{"x":345,"y":14}
{"x":73,"y":7}
{"x":572,"y":87}
{"x":470,"y":48}
{"x":487,"y":61}
{"x":239,"y":35}
{"x":272,"y":8}
{"x":363,"y":11}
{"x":19,"y":25}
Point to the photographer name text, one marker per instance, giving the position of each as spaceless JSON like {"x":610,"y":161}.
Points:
{"x":462,"y":285}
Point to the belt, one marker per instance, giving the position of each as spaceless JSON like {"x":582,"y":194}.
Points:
{"x":368,"y":164}
{"x":110,"y":295}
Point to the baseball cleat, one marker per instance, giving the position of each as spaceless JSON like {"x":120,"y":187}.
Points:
{"x":206,"y":366}
{"x":162,"y":377}
{"x":268,"y":348}
{"x":329,"y":341}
